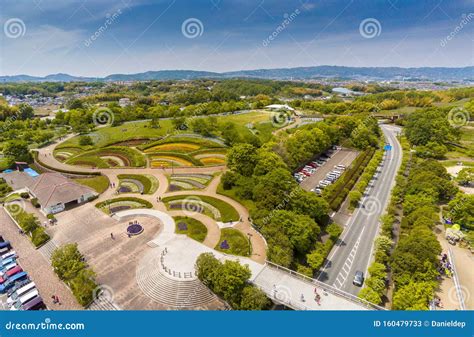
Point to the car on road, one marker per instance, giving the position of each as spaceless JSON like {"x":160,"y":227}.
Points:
{"x":358,"y":278}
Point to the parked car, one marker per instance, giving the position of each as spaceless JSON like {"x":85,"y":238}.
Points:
{"x":9,"y":254}
{"x":13,"y":271}
{"x":23,"y":300}
{"x":14,"y":296}
{"x":35,"y":304}
{"x":358,"y":278}
{"x":17,"y":286}
{"x":5,"y":244}
{"x":11,"y":281}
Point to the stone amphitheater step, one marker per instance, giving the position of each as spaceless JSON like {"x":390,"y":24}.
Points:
{"x":48,"y":249}
{"x":103,"y":304}
{"x":167,"y":291}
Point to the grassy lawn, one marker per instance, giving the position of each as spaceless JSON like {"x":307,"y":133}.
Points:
{"x":238,"y":243}
{"x":110,"y":135}
{"x":227,"y":212}
{"x":248,"y":204}
{"x":99,"y":183}
{"x":251,"y":117}
{"x":195,"y":229}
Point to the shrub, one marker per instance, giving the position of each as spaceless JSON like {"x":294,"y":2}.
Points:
{"x":35,"y":203}
{"x":24,"y":195}
{"x":39,"y":237}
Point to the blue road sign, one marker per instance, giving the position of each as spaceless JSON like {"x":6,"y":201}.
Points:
{"x":387,"y":147}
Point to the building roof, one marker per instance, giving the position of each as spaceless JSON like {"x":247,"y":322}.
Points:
{"x":53,"y":188}
{"x":280,"y":106}
{"x":17,"y":179}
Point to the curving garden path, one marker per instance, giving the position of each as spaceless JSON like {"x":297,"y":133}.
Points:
{"x":257,"y":241}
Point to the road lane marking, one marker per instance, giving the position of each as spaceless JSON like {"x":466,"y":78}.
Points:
{"x":349,"y":261}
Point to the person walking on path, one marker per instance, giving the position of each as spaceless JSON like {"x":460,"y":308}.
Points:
{"x":112,"y":236}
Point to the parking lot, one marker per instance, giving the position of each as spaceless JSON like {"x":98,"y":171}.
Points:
{"x":340,"y":157}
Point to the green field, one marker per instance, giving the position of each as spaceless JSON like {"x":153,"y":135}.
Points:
{"x":195,"y":229}
{"x":215,"y":208}
{"x":99,"y":183}
{"x":238,"y":243}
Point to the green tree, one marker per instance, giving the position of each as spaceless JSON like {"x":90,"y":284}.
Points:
{"x":242,"y":159}
{"x":413,"y":296}
{"x":67,"y":261}
{"x":17,"y":150}
{"x":253,"y":299}
{"x":83,"y":286}
{"x":207,"y":266}
{"x":370,"y":295}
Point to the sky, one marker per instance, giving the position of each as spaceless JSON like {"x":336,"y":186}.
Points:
{"x":102,"y":37}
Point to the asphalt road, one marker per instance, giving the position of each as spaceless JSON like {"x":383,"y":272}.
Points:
{"x":354,"y":249}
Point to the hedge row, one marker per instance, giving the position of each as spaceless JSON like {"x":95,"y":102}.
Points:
{"x":46,"y":166}
{"x":356,"y":194}
{"x":337,"y":193}
{"x":29,"y":224}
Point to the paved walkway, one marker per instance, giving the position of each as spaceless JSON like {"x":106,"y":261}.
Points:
{"x":287,"y":289}
{"x":37,"y":267}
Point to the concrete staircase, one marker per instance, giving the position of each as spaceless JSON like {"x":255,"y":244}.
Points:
{"x":103,"y":304}
{"x":176,"y":294}
{"x":48,"y":248}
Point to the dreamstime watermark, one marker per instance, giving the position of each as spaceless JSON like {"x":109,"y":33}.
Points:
{"x":110,"y":19}
{"x":454,"y":296}
{"x":370,"y":28}
{"x":192,"y":28}
{"x":103,"y":117}
{"x":16,"y":207}
{"x":458,"y":117}
{"x":280,"y":118}
{"x":14,"y":28}
{"x":466,"y":18}
{"x":103,"y":294}
{"x":282,"y":294}
{"x":192,"y":205}
{"x":45,"y":325}
{"x":287,"y":20}
{"x":371,"y":205}
{"x":281,"y":206}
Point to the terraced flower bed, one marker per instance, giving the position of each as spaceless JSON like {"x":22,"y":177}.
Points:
{"x":137,"y":183}
{"x":120,"y":204}
{"x":180,"y":182}
{"x":185,"y":151}
{"x":191,"y":227}
{"x":112,"y":156}
{"x":215,"y":208}
{"x":233,"y":241}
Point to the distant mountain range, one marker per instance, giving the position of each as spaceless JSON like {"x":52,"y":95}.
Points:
{"x":301,"y":73}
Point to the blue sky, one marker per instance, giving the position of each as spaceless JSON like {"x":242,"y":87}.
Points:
{"x":41,"y":37}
